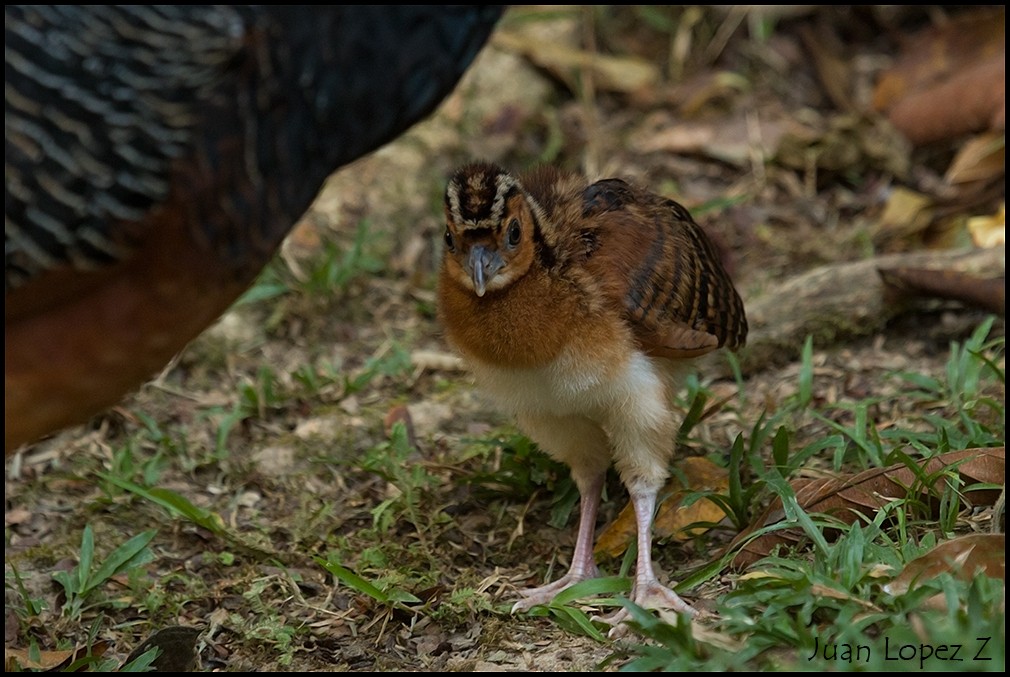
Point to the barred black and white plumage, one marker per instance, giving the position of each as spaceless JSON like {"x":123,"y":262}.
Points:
{"x":108,"y":109}
{"x":156,"y":156}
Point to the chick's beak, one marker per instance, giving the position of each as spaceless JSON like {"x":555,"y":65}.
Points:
{"x":484,"y":264}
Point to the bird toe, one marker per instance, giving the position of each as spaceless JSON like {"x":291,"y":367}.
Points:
{"x":544,"y":594}
{"x":650,"y":595}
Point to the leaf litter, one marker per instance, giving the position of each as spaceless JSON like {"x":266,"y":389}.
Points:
{"x":274,"y":434}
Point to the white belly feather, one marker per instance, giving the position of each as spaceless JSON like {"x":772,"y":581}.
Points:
{"x":638,"y":388}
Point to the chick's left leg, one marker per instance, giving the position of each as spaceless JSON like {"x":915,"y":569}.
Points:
{"x":642,"y":431}
{"x":582,"y":445}
{"x":647,"y":591}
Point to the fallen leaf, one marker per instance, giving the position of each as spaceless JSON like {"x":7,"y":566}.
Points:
{"x":690,"y":97}
{"x":821,"y":590}
{"x":401,"y":414}
{"x":982,"y":158}
{"x":17,"y":516}
{"x":623,"y":74}
{"x":906,"y":214}
{"x":18,"y":659}
{"x":672,"y":518}
{"x":880,"y":571}
{"x":949,"y":80}
{"x":971,"y":101}
{"x":738,"y":139}
{"x":963,"y":557}
{"x":987,"y":294}
{"x":301,"y":245}
{"x":933,"y":53}
{"x":989,"y":231}
{"x":50,"y":661}
{"x":846,"y":498}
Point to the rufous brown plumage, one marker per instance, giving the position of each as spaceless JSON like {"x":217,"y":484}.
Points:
{"x":578,"y":307}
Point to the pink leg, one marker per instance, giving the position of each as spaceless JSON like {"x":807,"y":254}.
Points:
{"x":647,"y":592}
{"x":583,"y":564}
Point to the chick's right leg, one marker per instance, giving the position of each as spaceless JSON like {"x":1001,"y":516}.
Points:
{"x":583,"y":446}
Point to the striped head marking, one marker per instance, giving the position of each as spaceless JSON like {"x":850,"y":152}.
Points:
{"x":489,"y":228}
{"x":476,"y":195}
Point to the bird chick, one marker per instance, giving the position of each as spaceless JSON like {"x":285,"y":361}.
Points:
{"x":579,"y":307}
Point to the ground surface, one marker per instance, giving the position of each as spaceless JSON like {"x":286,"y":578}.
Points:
{"x":279,"y":419}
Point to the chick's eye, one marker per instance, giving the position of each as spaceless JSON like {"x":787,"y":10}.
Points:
{"x":515,"y":233}
{"x":449,"y":242}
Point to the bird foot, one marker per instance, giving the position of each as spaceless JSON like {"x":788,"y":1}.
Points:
{"x":531,"y":597}
{"x":650,"y":595}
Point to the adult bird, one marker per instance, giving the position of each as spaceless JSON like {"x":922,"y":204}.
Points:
{"x":156,"y":156}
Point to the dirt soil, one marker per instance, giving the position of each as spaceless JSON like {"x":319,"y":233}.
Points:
{"x":278,"y":419}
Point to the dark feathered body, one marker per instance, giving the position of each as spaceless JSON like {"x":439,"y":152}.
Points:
{"x":156,"y":156}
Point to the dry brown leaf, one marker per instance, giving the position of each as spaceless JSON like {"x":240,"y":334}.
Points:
{"x":821,"y":590}
{"x":17,"y":516}
{"x":989,"y":231}
{"x":987,"y":294}
{"x":880,"y":571}
{"x":20,"y":659}
{"x":935,"y":52}
{"x":707,"y":89}
{"x":846,"y":498}
{"x":971,"y":101}
{"x":737,"y":140}
{"x":623,"y":74}
{"x":906,"y":213}
{"x":300,"y":246}
{"x":690,"y":97}
{"x":672,"y":519}
{"x":982,"y":158}
{"x":962,"y":557}
{"x":950,"y":79}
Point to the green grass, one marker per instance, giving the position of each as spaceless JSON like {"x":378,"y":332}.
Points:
{"x":826,"y":608}
{"x":82,"y":581}
{"x":334,"y":268}
{"x":831,"y":613}
{"x":822,"y":607}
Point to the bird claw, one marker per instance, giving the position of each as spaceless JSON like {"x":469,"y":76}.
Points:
{"x":652,"y":595}
{"x":531,"y":597}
